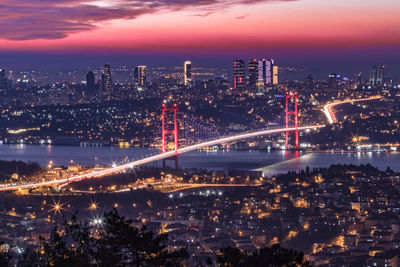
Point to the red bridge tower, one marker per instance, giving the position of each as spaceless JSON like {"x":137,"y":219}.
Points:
{"x":173,"y":132}
{"x":290,"y":113}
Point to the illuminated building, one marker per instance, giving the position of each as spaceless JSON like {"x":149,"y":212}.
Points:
{"x":106,"y":80}
{"x":238,"y":74}
{"x":377,"y":75}
{"x":268,"y":71}
{"x":140,"y":75}
{"x":3,"y":80}
{"x":333,"y":81}
{"x":187,"y":72}
{"x":274,"y":75}
{"x":309,"y":82}
{"x":90,"y":84}
{"x":380,"y":76}
{"x":252,"y":73}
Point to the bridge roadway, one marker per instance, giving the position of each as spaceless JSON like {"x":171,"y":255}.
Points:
{"x":120,"y":168}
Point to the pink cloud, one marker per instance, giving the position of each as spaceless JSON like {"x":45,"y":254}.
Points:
{"x":55,"y":19}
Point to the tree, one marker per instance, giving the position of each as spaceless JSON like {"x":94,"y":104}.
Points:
{"x":232,"y":257}
{"x":137,"y":247}
{"x":267,"y":256}
{"x":118,"y":243}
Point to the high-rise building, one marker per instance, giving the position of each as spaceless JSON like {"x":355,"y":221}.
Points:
{"x":377,"y":75}
{"x":106,"y":79}
{"x":268,"y":71}
{"x":90,"y":83}
{"x":261,"y":71}
{"x":136,"y":75}
{"x":275,"y":75}
{"x":140,"y":75}
{"x":252,"y":73}
{"x":309,"y":84}
{"x":372,"y":75}
{"x":3,"y":79}
{"x":238,"y":74}
{"x":358,"y":81}
{"x":187,"y":72}
{"x":261,"y":75}
{"x":380,"y":75}
{"x":333,"y":81}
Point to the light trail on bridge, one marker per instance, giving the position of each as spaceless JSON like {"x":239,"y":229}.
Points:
{"x":330,"y":115}
{"x":120,"y":168}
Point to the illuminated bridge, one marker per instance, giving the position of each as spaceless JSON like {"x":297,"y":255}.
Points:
{"x":177,"y":151}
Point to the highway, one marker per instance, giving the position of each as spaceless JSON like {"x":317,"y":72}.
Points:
{"x":330,"y":114}
{"x":120,"y":168}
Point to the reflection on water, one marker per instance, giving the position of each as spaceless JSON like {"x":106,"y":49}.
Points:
{"x":269,"y":162}
{"x":380,"y":159}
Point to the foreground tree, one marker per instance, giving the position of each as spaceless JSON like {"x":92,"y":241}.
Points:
{"x":116,"y":243}
{"x":267,"y":256}
{"x":137,"y":247}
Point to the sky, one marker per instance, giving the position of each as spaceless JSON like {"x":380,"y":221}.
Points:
{"x":324,"y":36}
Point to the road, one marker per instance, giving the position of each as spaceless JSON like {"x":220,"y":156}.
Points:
{"x":330,"y":114}
{"x":181,"y":187}
{"x":120,"y":168}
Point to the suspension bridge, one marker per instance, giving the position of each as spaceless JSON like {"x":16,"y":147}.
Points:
{"x":195,"y":140}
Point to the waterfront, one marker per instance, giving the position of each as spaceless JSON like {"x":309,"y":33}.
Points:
{"x":269,"y":162}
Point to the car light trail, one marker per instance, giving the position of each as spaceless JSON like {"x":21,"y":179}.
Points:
{"x":330,"y":115}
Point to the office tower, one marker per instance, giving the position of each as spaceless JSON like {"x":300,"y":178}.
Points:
{"x":187,"y":72}
{"x":377,"y":75}
{"x":136,"y":75}
{"x":238,"y":74}
{"x":358,"y":82}
{"x":261,"y":71}
{"x":333,"y":81}
{"x":140,"y":75}
{"x":275,"y":75}
{"x":380,"y":75}
{"x":372,"y":75}
{"x":309,"y":84}
{"x":268,"y":71}
{"x":261,"y":75}
{"x":3,"y":79}
{"x":252,"y":73}
{"x":90,"y":84}
{"x":107,"y":80}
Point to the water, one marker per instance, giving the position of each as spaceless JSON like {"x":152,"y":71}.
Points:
{"x":270,"y":163}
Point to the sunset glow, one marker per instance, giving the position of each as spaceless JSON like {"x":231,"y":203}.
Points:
{"x":181,"y":25}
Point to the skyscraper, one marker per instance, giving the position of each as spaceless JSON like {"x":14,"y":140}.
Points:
{"x":309,"y":84}
{"x":275,"y":75}
{"x":372,"y":75}
{"x":261,"y":75}
{"x":106,"y":79}
{"x":136,"y":75}
{"x":238,"y":74}
{"x":3,"y":79}
{"x":140,"y":75}
{"x":377,"y":75}
{"x":187,"y":72}
{"x":268,"y":71}
{"x":252,"y":73}
{"x":380,"y":75}
{"x":333,"y":81}
{"x":90,"y":84}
